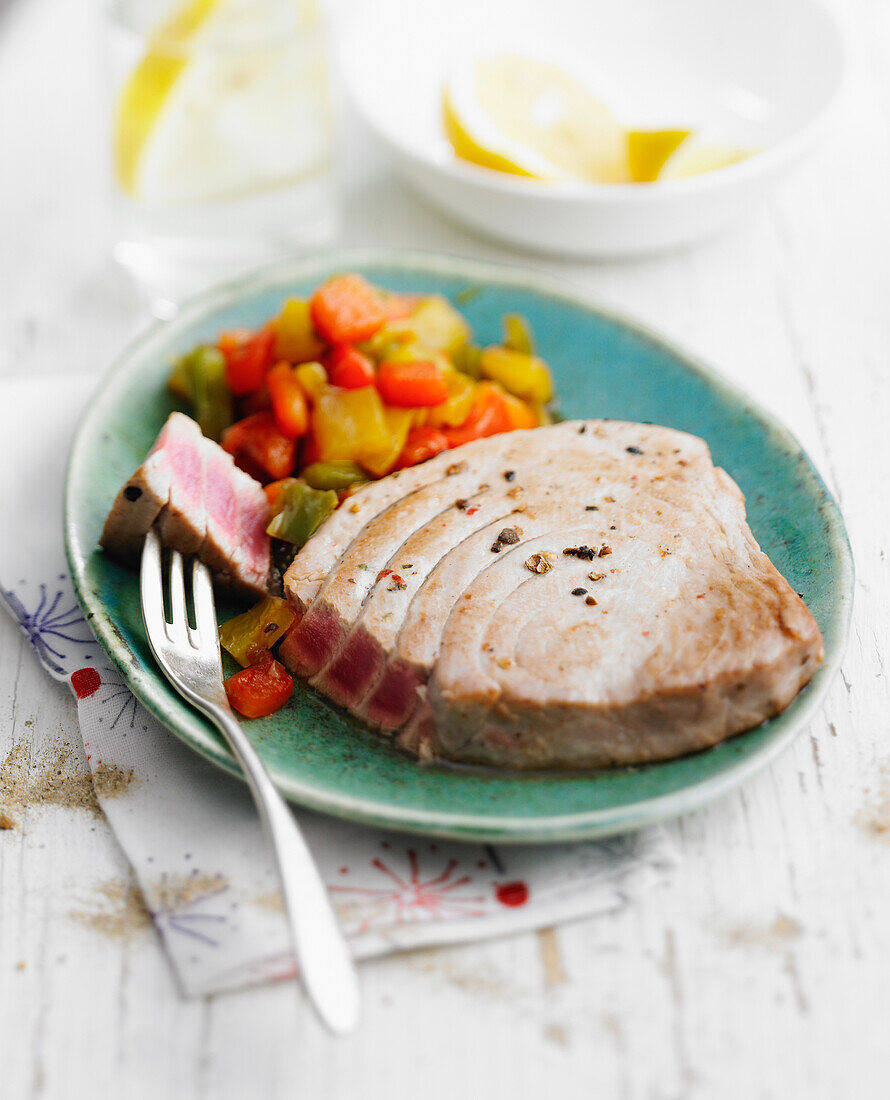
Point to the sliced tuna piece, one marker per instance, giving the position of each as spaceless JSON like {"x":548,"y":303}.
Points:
{"x":358,"y":665}
{"x":255,"y":548}
{"x":323,"y":550}
{"x":655,"y":626}
{"x":393,"y":644}
{"x":138,"y":505}
{"x":316,"y":640}
{"x":201,"y":502}
{"x":694,"y":636}
{"x":183,"y":523}
{"x":319,"y":556}
{"x":326,"y":574}
{"x":222,"y":536}
{"x":146,"y":494}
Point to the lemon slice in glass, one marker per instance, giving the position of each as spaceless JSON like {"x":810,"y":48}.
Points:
{"x":144,"y":93}
{"x":229,"y":99}
{"x":531,"y":118}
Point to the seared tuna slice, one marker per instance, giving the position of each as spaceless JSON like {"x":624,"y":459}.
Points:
{"x":202,"y":504}
{"x":317,"y":638}
{"x":221,"y":549}
{"x":146,"y":494}
{"x":183,"y":522}
{"x":692,"y":636}
{"x":322,"y":551}
{"x":359,"y":666}
{"x":254,"y":549}
{"x":592,"y":596}
{"x":138,"y":505}
{"x":374,"y":653}
{"x":335,"y":570}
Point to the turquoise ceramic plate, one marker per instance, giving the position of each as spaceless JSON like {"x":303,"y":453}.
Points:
{"x":604,"y":366}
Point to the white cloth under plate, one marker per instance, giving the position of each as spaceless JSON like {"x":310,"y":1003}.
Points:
{"x":191,"y":832}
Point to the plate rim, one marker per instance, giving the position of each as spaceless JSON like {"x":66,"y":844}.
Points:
{"x":457,"y":825}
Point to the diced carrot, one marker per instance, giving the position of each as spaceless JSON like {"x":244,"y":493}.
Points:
{"x":260,"y":448}
{"x":421,"y":444}
{"x":347,"y":367}
{"x":288,"y":400}
{"x":247,"y":359}
{"x":411,"y":385}
{"x":347,"y":310}
{"x":260,"y":689}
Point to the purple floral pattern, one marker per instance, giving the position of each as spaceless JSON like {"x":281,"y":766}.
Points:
{"x":53,"y":624}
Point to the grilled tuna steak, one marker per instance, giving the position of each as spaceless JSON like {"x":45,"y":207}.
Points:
{"x":582,"y":595}
{"x":202,"y":503}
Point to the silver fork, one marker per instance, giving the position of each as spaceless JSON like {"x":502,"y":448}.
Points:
{"x":191,"y":661}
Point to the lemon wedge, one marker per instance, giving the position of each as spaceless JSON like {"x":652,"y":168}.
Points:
{"x":696,"y":159}
{"x":649,"y":150}
{"x":530,"y":118}
{"x":230,"y":98}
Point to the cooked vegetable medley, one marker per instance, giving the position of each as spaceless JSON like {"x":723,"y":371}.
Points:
{"x":343,"y":388}
{"x":352,"y":384}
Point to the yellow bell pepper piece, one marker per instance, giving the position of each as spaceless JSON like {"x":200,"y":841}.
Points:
{"x":351,"y":424}
{"x":438,"y":326}
{"x":295,"y":336}
{"x":314,"y":380}
{"x":248,"y":636}
{"x":454,"y":411}
{"x":398,"y":424}
{"x":525,"y":376}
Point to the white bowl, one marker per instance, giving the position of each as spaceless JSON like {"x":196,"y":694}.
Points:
{"x":761,"y":74}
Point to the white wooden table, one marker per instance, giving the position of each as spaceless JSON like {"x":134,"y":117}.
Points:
{"x":763,"y":969}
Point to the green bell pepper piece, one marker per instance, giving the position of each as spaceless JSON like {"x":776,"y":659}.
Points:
{"x":301,"y":511}
{"x":201,"y":377}
{"x":337,"y":475}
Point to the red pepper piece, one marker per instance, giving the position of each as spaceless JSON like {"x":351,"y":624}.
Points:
{"x":488,"y":416}
{"x":411,"y":385}
{"x":288,"y":400}
{"x":347,"y":367}
{"x":421,"y":444}
{"x":260,"y":689}
{"x":260,"y":448}
{"x":248,"y":359}
{"x":255,"y":402}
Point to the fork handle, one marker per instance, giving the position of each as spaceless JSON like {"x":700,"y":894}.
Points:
{"x":323,"y":959}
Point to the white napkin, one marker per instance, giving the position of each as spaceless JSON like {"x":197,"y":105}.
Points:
{"x":191,"y":832}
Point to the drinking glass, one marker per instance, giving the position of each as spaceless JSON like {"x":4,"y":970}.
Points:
{"x":220,"y":138}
